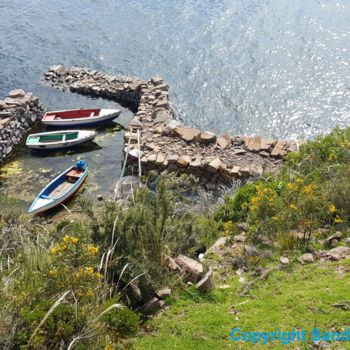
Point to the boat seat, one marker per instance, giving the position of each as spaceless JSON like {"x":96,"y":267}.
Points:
{"x":44,"y":196}
{"x":92,"y":114}
{"x":56,"y":117}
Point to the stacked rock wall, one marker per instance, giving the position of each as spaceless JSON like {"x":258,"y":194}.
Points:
{"x":18,"y":112}
{"x":165,"y":143}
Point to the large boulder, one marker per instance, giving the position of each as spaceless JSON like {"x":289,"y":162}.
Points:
{"x":151,"y":306}
{"x":338,"y":253}
{"x":306,"y":258}
{"x":187,"y":134}
{"x":206,"y":284}
{"x":192,"y":268}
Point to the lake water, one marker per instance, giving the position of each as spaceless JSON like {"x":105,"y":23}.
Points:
{"x":276,"y":68}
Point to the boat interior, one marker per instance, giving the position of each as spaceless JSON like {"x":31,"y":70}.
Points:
{"x":53,"y":138}
{"x":74,"y":114}
{"x":68,"y":181}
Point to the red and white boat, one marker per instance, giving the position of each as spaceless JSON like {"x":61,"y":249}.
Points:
{"x":80,"y":117}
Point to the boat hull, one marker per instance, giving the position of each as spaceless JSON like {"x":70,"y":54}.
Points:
{"x":83,"y":136}
{"x":105,"y":116}
{"x":42,"y":207}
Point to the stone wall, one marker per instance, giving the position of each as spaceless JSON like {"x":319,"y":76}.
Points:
{"x":18,"y":112}
{"x":165,"y":142}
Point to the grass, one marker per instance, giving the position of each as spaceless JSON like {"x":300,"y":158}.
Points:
{"x":299,"y":299}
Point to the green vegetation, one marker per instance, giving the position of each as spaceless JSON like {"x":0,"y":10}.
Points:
{"x":311,"y":191}
{"x":68,"y":285}
{"x":78,"y":284}
{"x":299,"y":298}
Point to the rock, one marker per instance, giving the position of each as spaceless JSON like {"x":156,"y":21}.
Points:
{"x":172,"y":158}
{"x":266,"y":145}
{"x":192,"y":267}
{"x":135,"y":123}
{"x":57,"y":69}
{"x":338,"y":253}
{"x":163,"y":293}
{"x":333,"y":240}
{"x":306,"y":258}
{"x":220,"y":243}
{"x":162,"y":116}
{"x":224,"y":140}
{"x":170,"y":264}
{"x":4,"y":122}
{"x":183,"y":161}
{"x":195,"y":164}
{"x":245,"y":172}
{"x":279,"y":150}
{"x":235,"y":171}
{"x":160,"y":159}
{"x":125,"y":187}
{"x":206,"y":284}
{"x":250,"y":251}
{"x":100,"y":197}
{"x":187,"y":134}
{"x":214,"y":165}
{"x":172,"y":124}
{"x":240,"y":238}
{"x":242,"y":226}
{"x":253,"y":144}
{"x":241,"y":280}
{"x":134,"y":291}
{"x":17,"y":93}
{"x":206,"y":137}
{"x":284,"y":260}
{"x":151,"y":307}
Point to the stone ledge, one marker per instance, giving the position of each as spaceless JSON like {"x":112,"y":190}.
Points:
{"x":165,"y":142}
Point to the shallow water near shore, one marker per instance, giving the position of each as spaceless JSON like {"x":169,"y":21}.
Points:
{"x":28,"y":171}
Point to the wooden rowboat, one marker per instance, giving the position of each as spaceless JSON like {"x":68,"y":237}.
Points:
{"x":59,"y":139}
{"x":60,"y":189}
{"x":80,"y":117}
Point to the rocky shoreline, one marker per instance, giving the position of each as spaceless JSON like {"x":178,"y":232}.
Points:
{"x":165,"y":142}
{"x":18,"y":112}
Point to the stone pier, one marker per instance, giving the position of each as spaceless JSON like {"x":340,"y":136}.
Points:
{"x":18,"y":112}
{"x":165,"y":142}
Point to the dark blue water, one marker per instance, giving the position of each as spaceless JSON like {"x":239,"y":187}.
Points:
{"x":274,"y":67}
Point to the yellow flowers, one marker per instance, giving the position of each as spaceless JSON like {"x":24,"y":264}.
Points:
{"x":227,"y":227}
{"x":66,"y":241}
{"x":332,"y":156}
{"x":70,"y":239}
{"x":53,"y":273}
{"x":292,"y":186}
{"x":309,"y":189}
{"x":108,"y":347}
{"x":338,"y":220}
{"x":92,"y":249}
{"x":332,"y":208}
{"x":265,"y":196}
{"x":294,"y":207}
{"x":84,"y":272}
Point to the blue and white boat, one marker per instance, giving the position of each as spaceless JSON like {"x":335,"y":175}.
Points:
{"x":60,"y":189}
